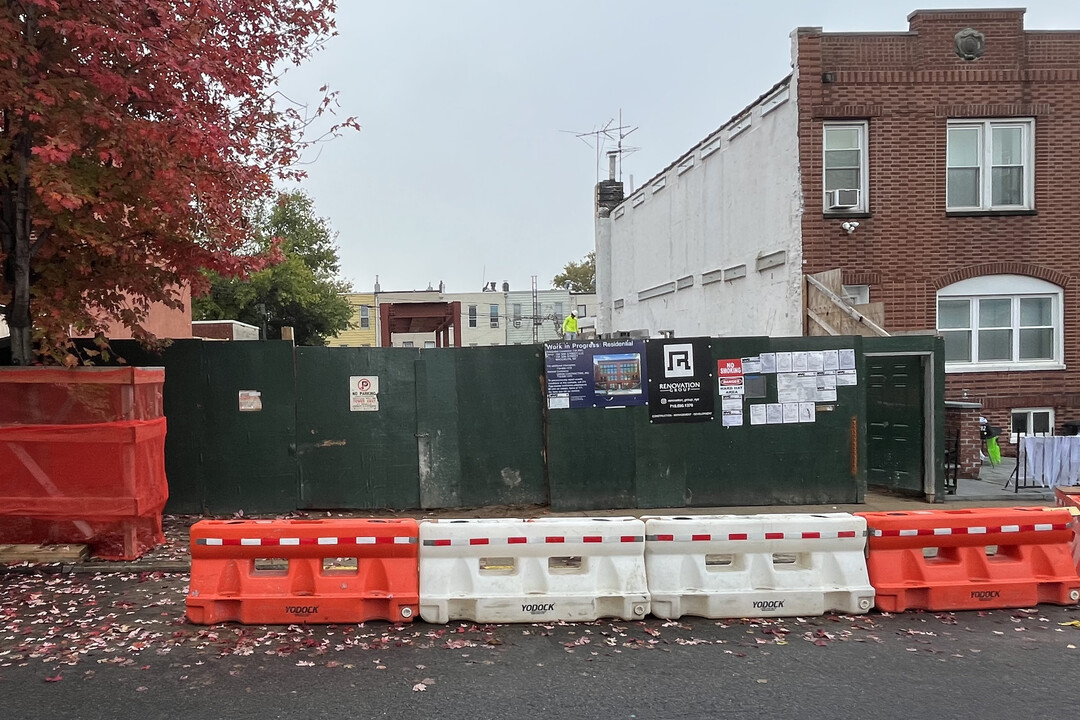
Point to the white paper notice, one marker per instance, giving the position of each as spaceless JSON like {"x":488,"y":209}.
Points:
{"x":798,"y":362}
{"x":847,"y":377}
{"x":774,"y":413}
{"x":815,"y":361}
{"x":847,"y":359}
{"x":757,"y":414}
{"x":791,"y":412}
{"x":768,"y":362}
{"x":832,"y":359}
{"x":783,"y":362}
{"x":732,"y":418}
{"x":751,"y":365}
{"x":559,"y":402}
{"x":250,"y":401}
{"x":807,"y":412}
{"x":731,"y":402}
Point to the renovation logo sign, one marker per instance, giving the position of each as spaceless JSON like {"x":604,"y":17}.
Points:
{"x":680,"y":385}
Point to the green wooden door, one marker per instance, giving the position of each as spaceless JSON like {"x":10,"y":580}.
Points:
{"x":249,"y":417}
{"x":895,"y":415}
{"x":356,"y":456}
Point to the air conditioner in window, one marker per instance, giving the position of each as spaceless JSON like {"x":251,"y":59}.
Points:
{"x":842,"y":199}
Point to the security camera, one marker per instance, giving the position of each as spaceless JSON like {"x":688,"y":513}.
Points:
{"x":849,"y":226}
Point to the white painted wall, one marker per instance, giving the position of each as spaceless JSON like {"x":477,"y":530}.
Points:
{"x":554,"y":306}
{"x":716,"y":208}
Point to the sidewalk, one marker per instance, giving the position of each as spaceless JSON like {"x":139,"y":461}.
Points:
{"x":991,"y":486}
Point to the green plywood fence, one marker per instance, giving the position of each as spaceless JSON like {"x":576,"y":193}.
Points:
{"x":616,"y":457}
{"x":466,"y":427}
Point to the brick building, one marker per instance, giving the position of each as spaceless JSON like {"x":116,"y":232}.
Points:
{"x":970,"y":128}
{"x":934,"y":169}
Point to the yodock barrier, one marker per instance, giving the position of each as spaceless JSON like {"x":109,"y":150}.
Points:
{"x":971,"y":559}
{"x":1069,"y":497}
{"x":723,"y":566}
{"x":303,"y":571}
{"x":498,"y":571}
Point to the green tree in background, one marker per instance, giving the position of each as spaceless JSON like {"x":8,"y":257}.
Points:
{"x":303,"y":290}
{"x":580,"y":276}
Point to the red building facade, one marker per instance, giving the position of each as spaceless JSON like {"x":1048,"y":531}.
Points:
{"x":946,"y":163}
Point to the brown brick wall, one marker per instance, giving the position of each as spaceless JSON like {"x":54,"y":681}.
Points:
{"x":907,"y":86}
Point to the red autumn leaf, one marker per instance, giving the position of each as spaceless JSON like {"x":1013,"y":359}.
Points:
{"x":54,"y":678}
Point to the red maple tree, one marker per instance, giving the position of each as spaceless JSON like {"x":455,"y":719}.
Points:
{"x":136,"y":137}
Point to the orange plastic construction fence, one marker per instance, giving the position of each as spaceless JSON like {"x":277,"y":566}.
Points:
{"x":1069,"y":497}
{"x":304,"y":571}
{"x":56,"y":396}
{"x":102,"y":484}
{"x":971,"y":559}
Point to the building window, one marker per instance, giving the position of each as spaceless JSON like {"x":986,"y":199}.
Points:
{"x":429,"y":343}
{"x":1001,"y":322}
{"x":845,"y":165}
{"x":559,"y":310}
{"x":1031,"y":421}
{"x":857,"y":294}
{"x":581,"y":311}
{"x":517,"y":312}
{"x":472,"y":316}
{"x":365,"y":317}
{"x":407,"y":343}
{"x":493,"y":312}
{"x":990,"y":165}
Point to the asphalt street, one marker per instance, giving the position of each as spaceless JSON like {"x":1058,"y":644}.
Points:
{"x":117,"y":646}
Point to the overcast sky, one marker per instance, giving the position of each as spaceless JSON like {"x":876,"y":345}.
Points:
{"x":468,"y":168}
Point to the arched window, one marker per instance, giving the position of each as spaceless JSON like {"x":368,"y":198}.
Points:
{"x":1001,"y":322}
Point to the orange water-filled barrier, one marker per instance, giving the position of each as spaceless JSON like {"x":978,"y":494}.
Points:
{"x":1069,"y":497}
{"x":303,"y":571}
{"x":971,"y":559}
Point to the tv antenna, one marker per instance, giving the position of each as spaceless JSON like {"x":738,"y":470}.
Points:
{"x":602,"y":138}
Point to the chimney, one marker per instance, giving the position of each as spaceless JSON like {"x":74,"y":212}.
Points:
{"x":377,"y":288}
{"x":609,"y":193}
{"x":506,"y":286}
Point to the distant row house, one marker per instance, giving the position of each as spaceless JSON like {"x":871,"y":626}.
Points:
{"x":430,"y":318}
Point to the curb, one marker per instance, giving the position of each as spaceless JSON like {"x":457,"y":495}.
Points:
{"x":162,"y":566}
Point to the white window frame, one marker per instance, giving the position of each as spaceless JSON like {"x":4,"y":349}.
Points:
{"x":864,"y":166}
{"x":1013,"y":287}
{"x":1014,"y":436}
{"x":365,"y":317}
{"x":986,"y":158}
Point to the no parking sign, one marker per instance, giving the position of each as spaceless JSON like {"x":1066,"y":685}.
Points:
{"x":364,"y":393}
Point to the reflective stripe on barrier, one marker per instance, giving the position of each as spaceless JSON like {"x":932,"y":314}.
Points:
{"x":513,"y":570}
{"x":303,"y":571}
{"x":971,"y":559}
{"x":724,"y":566}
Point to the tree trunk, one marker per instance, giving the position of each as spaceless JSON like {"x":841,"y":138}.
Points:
{"x":19,"y":315}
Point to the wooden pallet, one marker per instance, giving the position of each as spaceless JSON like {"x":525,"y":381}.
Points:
{"x":44,"y":553}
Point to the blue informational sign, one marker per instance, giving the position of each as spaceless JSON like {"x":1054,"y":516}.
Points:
{"x":595,"y":373}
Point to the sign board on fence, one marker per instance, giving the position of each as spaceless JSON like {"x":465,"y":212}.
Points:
{"x":364,"y":393}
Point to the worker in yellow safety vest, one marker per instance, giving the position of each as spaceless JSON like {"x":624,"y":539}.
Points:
{"x":569,"y":327}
